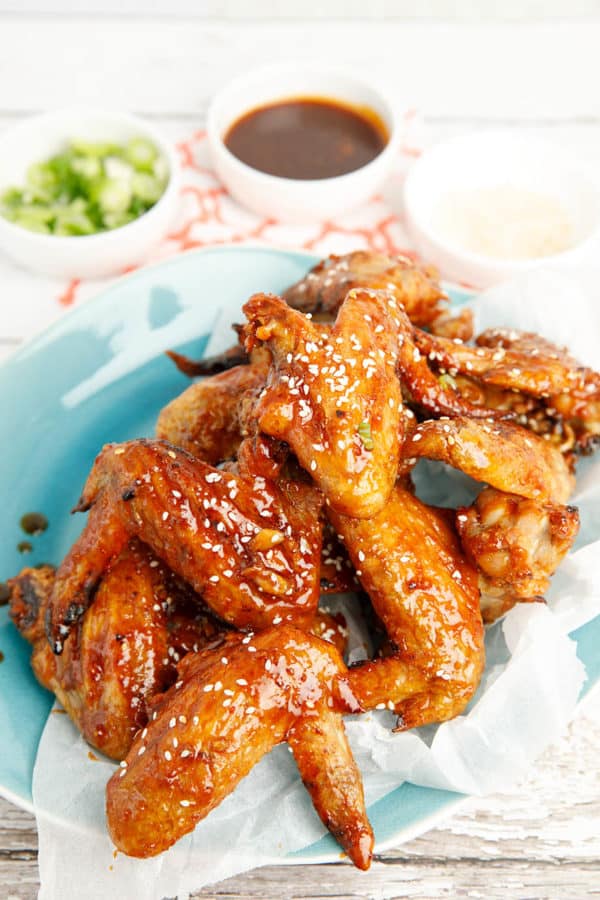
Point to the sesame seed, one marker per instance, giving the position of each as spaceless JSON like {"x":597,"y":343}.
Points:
{"x":184,"y":802}
{"x":123,"y":763}
{"x":142,"y":750}
{"x":241,"y":681}
{"x":119,"y":451}
{"x":168,"y":756}
{"x":172,"y":722}
{"x":171,"y":454}
{"x":185,"y":753}
{"x":165,"y":516}
{"x":207,"y":688}
{"x":183,"y":720}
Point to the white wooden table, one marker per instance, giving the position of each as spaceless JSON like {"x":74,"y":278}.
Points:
{"x":541,"y":840}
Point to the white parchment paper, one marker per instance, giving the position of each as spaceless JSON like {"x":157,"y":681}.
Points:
{"x":528,"y":694}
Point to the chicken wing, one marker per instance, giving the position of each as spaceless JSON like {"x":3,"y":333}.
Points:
{"x":225,"y":713}
{"x":531,"y":365}
{"x":516,"y":544}
{"x":121,"y":653}
{"x":248,"y":546}
{"x":333,"y":395}
{"x":410,"y":563}
{"x":504,"y":455}
{"x":324,"y":289}
{"x":205,"y":418}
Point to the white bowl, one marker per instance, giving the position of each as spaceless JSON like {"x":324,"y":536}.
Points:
{"x":289,"y":199}
{"x":85,"y":256}
{"x":495,"y":159}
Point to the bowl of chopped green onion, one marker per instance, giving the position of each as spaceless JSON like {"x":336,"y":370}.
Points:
{"x":85,"y":193}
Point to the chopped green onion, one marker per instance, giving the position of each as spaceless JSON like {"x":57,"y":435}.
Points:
{"x":141,"y":154}
{"x":87,"y":188}
{"x":364,"y":432}
{"x":447,"y":381}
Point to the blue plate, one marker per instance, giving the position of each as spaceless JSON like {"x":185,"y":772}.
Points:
{"x":99,"y":374}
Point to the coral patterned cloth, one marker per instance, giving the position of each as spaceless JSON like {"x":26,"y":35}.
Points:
{"x":209,"y":216}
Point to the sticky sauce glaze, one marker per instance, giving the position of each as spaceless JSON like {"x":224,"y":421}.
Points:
{"x":307,"y":138}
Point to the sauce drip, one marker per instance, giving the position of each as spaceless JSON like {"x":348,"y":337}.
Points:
{"x":4,"y":594}
{"x":307,"y":139}
{"x":34,"y":523}
{"x":24,"y":546}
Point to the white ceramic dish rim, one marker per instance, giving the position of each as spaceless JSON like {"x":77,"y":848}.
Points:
{"x":268,"y":74}
{"x":478,"y":259}
{"x":129,"y":121}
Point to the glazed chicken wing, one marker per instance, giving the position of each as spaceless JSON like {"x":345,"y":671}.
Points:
{"x":121,"y":653}
{"x":324,"y":289}
{"x":410,"y":563}
{"x":248,"y":546}
{"x":205,"y":418}
{"x":502,"y":454}
{"x":531,"y":365}
{"x":228,"y":710}
{"x":333,"y":396}
{"x":516,"y":544}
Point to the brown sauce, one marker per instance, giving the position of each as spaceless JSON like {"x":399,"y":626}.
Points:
{"x":34,"y":523}
{"x":307,"y":138}
{"x":4,"y":594}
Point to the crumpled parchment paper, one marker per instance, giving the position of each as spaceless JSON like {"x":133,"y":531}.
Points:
{"x":528,"y":694}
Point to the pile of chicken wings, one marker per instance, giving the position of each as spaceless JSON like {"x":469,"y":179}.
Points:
{"x":182,"y":632}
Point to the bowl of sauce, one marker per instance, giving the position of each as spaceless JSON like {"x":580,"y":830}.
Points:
{"x":488,"y":206}
{"x":299,"y":144}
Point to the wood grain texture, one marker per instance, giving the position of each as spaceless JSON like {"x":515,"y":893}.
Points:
{"x":540,"y":841}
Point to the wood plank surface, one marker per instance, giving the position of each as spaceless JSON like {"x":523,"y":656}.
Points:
{"x":540,"y":840}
